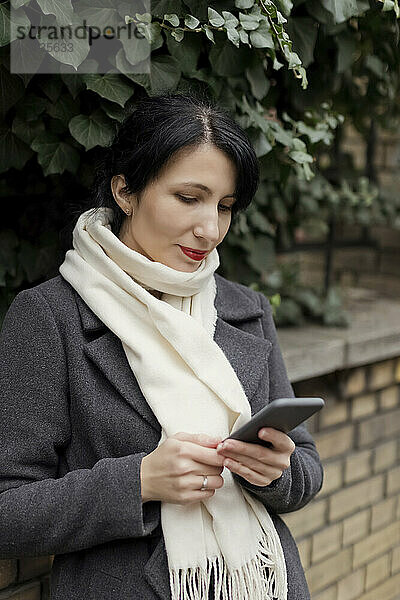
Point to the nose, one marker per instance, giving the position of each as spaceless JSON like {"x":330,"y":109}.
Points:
{"x":207,"y":226}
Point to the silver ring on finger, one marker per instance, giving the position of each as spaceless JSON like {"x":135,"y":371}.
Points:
{"x":205,"y":483}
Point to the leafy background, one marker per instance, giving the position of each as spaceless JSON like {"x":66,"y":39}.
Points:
{"x":293,"y":74}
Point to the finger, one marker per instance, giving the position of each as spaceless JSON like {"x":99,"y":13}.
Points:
{"x":197,"y":496}
{"x":214,"y":482}
{"x":201,"y":455}
{"x":275,"y":460}
{"x":201,"y":439}
{"x":258,"y":466}
{"x":256,"y":451}
{"x":202,"y":469}
{"x":280,"y":441}
{"x":248,"y":474}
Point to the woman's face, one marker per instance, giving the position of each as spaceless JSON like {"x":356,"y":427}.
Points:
{"x":189,"y":206}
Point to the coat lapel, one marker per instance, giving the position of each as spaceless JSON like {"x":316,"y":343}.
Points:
{"x":247,"y":353}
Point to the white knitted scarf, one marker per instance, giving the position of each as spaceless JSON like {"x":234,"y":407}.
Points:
{"x":190,"y":386}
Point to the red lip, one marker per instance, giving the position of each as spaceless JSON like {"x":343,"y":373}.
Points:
{"x":192,"y":253}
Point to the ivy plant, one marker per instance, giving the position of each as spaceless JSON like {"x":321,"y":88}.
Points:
{"x":264,"y":60}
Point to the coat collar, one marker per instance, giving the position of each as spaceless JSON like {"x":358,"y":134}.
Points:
{"x":246,"y":353}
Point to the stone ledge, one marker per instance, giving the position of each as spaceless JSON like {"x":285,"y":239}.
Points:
{"x":373,"y":335}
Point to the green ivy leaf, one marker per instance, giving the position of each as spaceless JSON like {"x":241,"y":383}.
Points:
{"x":186,"y":53}
{"x":249,"y":22}
{"x":209,"y":33}
{"x":261,"y":144}
{"x":98,"y":13}
{"x":142,"y":79}
{"x":74,"y":83}
{"x":145,"y":17}
{"x":391,"y":5}
{"x":258,"y":81}
{"x":178,"y":35}
{"x":161,"y":7}
{"x":298,"y":144}
{"x":191,"y":22}
{"x":55,"y":156}
{"x":285,"y":6}
{"x":114,"y":111}
{"x":262,"y":37}
{"x":152,"y":33}
{"x":52,"y":87}
{"x":11,"y":89}
{"x":301,"y":157}
{"x":31,"y":106}
{"x":165,"y":74}
{"x":173,"y":19}
{"x":80,"y":48}
{"x":292,"y":58}
{"x":61,"y":9}
{"x":64,"y":109}
{"x":244,"y":36}
{"x":343,"y":9}
{"x":260,"y":222}
{"x":387,"y":5}
{"x":19,"y":3}
{"x":215,"y":18}
{"x":138,"y":49}
{"x":27,"y":130}
{"x":261,"y":253}
{"x":13,"y":152}
{"x":110,"y":86}
{"x":233,"y":36}
{"x":242,"y":4}
{"x":8,"y":27}
{"x":230,"y":19}
{"x":92,"y":130}
{"x":227,"y":61}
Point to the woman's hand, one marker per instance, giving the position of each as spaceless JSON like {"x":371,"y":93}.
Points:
{"x":174,"y":471}
{"x":256,"y":463}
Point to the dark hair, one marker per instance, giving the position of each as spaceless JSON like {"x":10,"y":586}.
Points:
{"x":159,"y":127}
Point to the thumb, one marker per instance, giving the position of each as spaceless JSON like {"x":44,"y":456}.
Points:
{"x":202,"y":439}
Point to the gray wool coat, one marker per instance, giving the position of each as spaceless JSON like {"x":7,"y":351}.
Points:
{"x":74,"y":427}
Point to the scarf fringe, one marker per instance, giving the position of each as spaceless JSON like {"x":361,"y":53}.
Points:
{"x":257,"y":579}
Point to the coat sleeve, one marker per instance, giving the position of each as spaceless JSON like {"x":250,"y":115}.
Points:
{"x":40,"y":513}
{"x":303,"y":479}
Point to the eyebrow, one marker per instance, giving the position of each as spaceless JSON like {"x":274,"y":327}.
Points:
{"x":204,"y":188}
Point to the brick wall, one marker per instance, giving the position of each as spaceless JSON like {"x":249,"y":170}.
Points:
{"x":376,"y":267}
{"x":349,"y":535}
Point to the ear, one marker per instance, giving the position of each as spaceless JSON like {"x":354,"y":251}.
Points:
{"x":117,"y":183}
{"x":121,"y":198}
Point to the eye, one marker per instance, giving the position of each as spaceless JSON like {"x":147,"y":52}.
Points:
{"x":186,"y":199}
{"x":225,"y":208}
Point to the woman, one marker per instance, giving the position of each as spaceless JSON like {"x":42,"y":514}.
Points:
{"x":123,"y":375}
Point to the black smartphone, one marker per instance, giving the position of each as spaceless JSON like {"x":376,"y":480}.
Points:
{"x":283,"y":414}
